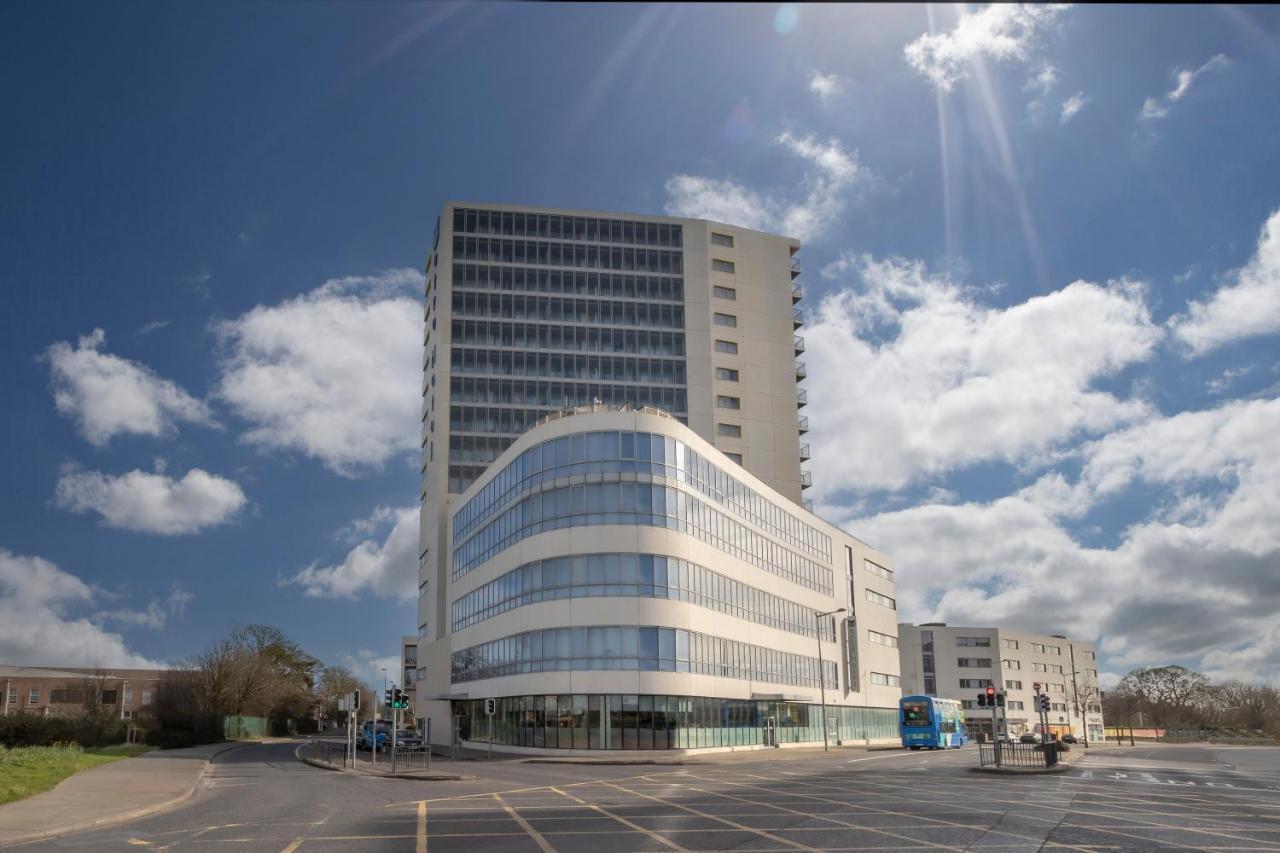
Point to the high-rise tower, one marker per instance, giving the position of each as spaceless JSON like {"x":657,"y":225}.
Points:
{"x":531,"y":310}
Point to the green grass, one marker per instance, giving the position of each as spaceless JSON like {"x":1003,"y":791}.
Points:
{"x":29,"y":770}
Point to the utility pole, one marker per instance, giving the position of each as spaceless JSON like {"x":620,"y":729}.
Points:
{"x":822,"y":675}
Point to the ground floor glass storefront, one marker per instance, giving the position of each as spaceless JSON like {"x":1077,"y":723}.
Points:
{"x":595,"y":721}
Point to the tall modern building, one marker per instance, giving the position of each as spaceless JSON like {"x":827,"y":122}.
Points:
{"x":661,"y":335}
{"x":959,"y":663}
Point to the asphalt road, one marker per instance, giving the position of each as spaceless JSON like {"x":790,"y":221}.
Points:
{"x":260,"y":798}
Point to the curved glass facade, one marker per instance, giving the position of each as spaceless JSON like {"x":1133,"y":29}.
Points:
{"x":637,"y":576}
{"x":612,"y":721}
{"x":635,"y":648}
{"x":613,"y":452}
{"x":639,"y":504}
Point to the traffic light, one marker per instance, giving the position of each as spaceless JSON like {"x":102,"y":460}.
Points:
{"x":398,"y":700}
{"x":991,"y":697}
{"x":353,"y":701}
{"x":386,"y":698}
{"x":490,"y":706}
{"x":1042,"y":702}
{"x":982,"y":700}
{"x":1000,"y":698}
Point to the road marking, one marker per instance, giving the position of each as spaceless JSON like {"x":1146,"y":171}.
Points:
{"x":717,"y":818}
{"x":422,"y":826}
{"x":622,"y":820}
{"x":293,"y":845}
{"x":524,"y":824}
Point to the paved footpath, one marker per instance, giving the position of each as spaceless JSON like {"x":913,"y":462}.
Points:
{"x":111,"y":793}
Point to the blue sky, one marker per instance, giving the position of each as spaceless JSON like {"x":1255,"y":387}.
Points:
{"x":1040,"y":259}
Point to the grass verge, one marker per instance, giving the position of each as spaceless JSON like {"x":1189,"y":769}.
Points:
{"x":29,"y":770}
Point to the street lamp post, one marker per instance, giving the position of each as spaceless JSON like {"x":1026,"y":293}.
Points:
{"x":822,"y":675}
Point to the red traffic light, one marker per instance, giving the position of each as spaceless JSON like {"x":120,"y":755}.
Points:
{"x":991,"y":691}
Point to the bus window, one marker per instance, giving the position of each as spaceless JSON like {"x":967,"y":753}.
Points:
{"x":915,"y":714}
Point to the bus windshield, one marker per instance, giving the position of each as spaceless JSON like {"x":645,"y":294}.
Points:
{"x":915,"y":714}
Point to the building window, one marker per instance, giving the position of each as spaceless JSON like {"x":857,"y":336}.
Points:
{"x":128,"y":696}
{"x":1053,"y":650}
{"x":34,"y":697}
{"x":729,"y":430}
{"x":724,"y":292}
{"x":1014,"y":705}
{"x":882,"y":639}
{"x":126,"y":715}
{"x":725,"y":240}
{"x":726,"y":374}
{"x":728,"y":347}
{"x":1058,"y":706}
{"x":1091,"y":673}
{"x":883,"y":680}
{"x":146,"y":697}
{"x":1013,"y":685}
{"x":724,"y":402}
{"x":734,"y":457}
{"x":883,"y":600}
{"x":978,"y":642}
{"x":1055,"y":688}
{"x":1011,"y":664}
{"x":1039,"y":667}
{"x":1038,"y":648}
{"x":13,"y":696}
{"x":974,"y":683}
{"x":1010,"y":644}
{"x":878,"y":570}
{"x":722,"y":266}
{"x":930,"y":685}
{"x":984,"y":663}
{"x":726,"y":320}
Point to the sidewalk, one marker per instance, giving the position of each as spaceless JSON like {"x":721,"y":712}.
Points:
{"x":113,"y":793}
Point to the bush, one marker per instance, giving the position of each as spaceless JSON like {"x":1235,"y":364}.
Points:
{"x":191,"y":733}
{"x":33,"y":730}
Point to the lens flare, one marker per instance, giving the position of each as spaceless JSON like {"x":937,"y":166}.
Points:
{"x":784,"y":20}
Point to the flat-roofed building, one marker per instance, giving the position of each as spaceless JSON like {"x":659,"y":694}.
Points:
{"x":959,"y":663}
{"x":618,"y":583}
{"x":66,"y":690}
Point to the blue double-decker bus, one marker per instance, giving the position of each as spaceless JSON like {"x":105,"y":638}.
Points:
{"x":931,"y":723}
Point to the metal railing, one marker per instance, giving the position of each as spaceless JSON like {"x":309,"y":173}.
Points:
{"x":806,"y":479}
{"x":602,"y":407}
{"x":802,"y":397}
{"x":327,"y":752}
{"x":797,"y":318}
{"x":1018,"y":754}
{"x":802,"y":421}
{"x":799,"y":344}
{"x":801,"y":371}
{"x":797,"y":292}
{"x":410,"y":760}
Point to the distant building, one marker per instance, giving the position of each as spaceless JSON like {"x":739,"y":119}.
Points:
{"x":65,"y":690}
{"x":959,"y":663}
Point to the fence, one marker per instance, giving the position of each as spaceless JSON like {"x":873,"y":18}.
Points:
{"x":410,"y":760}
{"x":326,"y":751}
{"x":1017,"y":754}
{"x":244,"y":728}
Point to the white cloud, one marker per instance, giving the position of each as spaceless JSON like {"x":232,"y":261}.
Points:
{"x":334,"y":373}
{"x":153,"y":326}
{"x":37,"y":628}
{"x":1201,"y":589}
{"x":999,"y":32}
{"x":152,"y":503}
{"x":388,"y":568}
{"x":1247,"y":306}
{"x":933,"y":381}
{"x":1073,"y":105}
{"x":831,"y":171}
{"x":155,"y":615}
{"x":368,"y":666}
{"x":1220,"y":385}
{"x":108,"y":395}
{"x":825,"y":85}
{"x":1158,"y":108}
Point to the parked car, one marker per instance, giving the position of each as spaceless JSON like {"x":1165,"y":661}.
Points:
{"x":1069,"y":739}
{"x":1030,"y":737}
{"x":367,"y":737}
{"x":408,"y":739}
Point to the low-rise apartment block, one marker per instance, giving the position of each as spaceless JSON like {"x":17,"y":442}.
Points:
{"x":959,"y":663}
{"x":65,"y":690}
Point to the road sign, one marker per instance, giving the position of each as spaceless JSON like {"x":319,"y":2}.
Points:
{"x":1036,"y":686}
